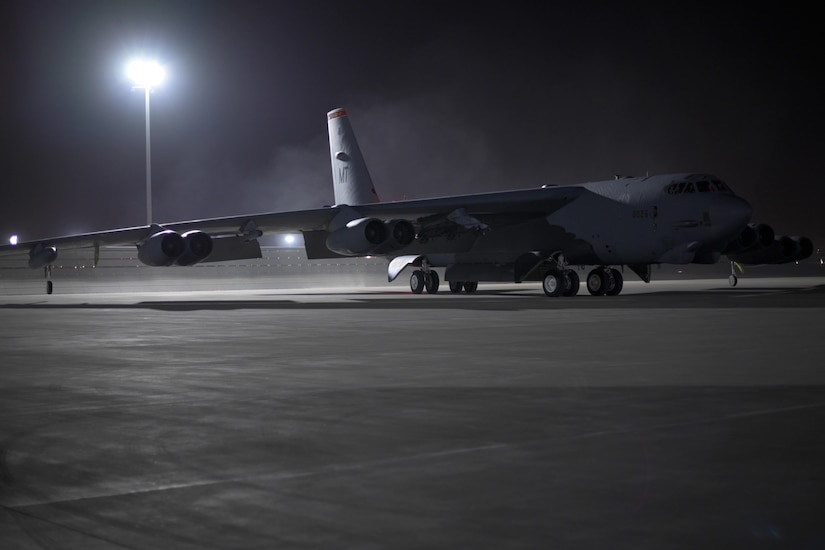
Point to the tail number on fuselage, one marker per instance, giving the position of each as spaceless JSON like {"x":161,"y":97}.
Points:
{"x":646,"y":213}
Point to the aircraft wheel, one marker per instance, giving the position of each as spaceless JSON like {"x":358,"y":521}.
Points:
{"x":49,"y":287}
{"x":733,"y":279}
{"x":597,"y":282}
{"x":573,"y":282}
{"x":615,"y":283}
{"x":470,"y":286}
{"x":431,"y":282}
{"x":553,"y":283}
{"x":456,"y":286}
{"x":417,"y":281}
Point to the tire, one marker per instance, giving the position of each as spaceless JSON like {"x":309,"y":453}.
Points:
{"x":553,"y":283}
{"x":456,"y":286}
{"x":615,"y":283}
{"x":573,"y":285}
{"x":733,"y":279}
{"x":470,"y":286}
{"x":597,"y":282}
{"x":431,"y":282}
{"x":49,"y":287}
{"x":417,"y":281}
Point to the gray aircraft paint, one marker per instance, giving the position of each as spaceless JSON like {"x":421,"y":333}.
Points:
{"x":495,"y":236}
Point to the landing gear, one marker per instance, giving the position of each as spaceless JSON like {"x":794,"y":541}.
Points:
{"x":604,"y":281}
{"x":554,"y":283}
{"x":573,"y":283}
{"x":470,"y":286}
{"x":431,"y":282}
{"x":47,"y":271}
{"x":597,"y":282}
{"x":615,"y":282}
{"x":467,"y":286}
{"x":733,"y":279}
{"x":417,"y":281}
{"x":560,"y":280}
{"x":421,"y":280}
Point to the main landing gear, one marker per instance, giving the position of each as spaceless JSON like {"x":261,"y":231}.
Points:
{"x":602,"y":281}
{"x":424,"y":279}
{"x":467,"y":286}
{"x":558,"y":282}
{"x":605,"y":281}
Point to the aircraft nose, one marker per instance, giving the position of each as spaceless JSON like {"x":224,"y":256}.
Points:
{"x":740,"y":210}
{"x":733,"y":213}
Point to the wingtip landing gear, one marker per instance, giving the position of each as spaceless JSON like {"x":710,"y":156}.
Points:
{"x":47,"y":271}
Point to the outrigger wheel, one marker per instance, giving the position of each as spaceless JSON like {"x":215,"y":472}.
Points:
{"x":47,"y":271}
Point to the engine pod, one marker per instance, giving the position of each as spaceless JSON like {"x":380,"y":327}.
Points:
{"x":161,"y":249}
{"x":197,"y":247}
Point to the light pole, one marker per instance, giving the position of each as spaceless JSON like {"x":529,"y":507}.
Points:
{"x":146,"y":75}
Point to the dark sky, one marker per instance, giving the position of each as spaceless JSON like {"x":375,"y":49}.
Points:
{"x":446,"y":98}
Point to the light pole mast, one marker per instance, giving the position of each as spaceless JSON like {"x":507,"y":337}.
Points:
{"x":148,"y":163}
{"x":146,"y":75}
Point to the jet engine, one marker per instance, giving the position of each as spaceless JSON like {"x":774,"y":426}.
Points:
{"x":197,"y":247}
{"x":753,"y":236}
{"x":782,"y":250}
{"x":371,"y":236}
{"x":161,"y":249}
{"x":400,"y":234}
{"x":41,"y":256}
{"x":360,"y":236}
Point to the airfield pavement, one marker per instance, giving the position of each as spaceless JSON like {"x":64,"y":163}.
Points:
{"x":681,"y":414}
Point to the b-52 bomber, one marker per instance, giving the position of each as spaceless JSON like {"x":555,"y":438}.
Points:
{"x":539,"y":234}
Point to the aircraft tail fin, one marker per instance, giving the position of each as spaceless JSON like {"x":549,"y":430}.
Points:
{"x":350,"y":177}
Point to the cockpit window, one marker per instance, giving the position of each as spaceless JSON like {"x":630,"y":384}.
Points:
{"x":704,"y":186}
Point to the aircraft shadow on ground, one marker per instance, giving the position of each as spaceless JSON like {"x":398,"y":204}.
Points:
{"x":719,"y":298}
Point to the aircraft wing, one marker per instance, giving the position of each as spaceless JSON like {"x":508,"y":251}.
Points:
{"x":462,"y":210}
{"x":235,"y":225}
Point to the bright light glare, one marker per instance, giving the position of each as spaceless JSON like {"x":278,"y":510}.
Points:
{"x":146,"y":74}
{"x":13,"y":240}
{"x":289,"y":239}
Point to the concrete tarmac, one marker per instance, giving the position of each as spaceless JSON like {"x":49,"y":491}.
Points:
{"x":681,"y":414}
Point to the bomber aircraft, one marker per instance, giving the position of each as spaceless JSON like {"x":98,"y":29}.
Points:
{"x":538,"y":234}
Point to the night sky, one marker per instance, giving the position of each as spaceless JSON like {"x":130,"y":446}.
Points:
{"x":446,"y":98}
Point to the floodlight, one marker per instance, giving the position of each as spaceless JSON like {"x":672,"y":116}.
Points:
{"x":146,"y":74}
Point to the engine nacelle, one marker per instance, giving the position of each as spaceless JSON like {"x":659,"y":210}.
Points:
{"x":161,"y":249}
{"x":806,"y":248}
{"x":753,"y":236}
{"x":41,"y":256}
{"x":197,"y":247}
{"x":360,"y":236}
{"x":782,"y":250}
{"x":400,"y":233}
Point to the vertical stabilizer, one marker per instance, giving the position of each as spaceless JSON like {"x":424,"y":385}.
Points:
{"x":350,"y":177}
